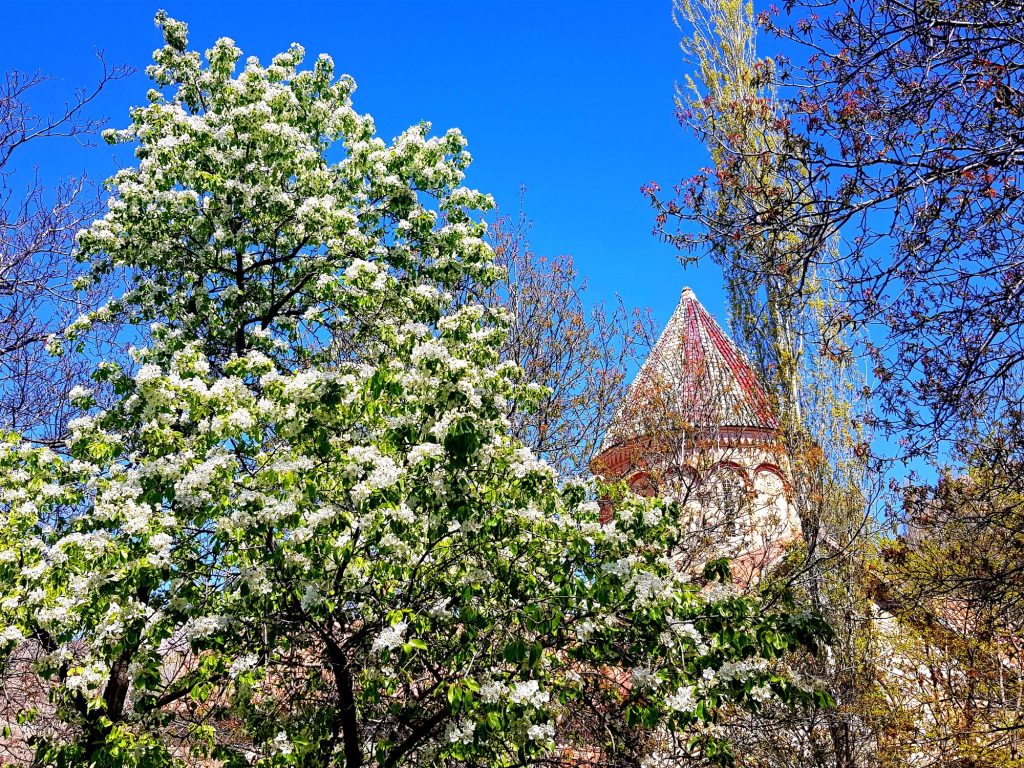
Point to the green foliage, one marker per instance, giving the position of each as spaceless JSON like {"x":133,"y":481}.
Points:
{"x":302,"y":534}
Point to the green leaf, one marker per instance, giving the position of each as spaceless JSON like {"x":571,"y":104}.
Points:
{"x":515,"y":651}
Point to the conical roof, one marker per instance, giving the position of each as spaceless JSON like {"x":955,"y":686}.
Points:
{"x":695,"y":377}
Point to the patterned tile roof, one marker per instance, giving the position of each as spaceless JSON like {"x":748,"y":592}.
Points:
{"x":695,"y":377}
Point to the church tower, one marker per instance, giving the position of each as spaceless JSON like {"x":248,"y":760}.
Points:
{"x":697,"y":425}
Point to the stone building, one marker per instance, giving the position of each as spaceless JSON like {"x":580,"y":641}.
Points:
{"x":697,"y":425}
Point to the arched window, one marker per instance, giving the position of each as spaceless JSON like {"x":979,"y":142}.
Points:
{"x":771,"y":500}
{"x":643,"y":484}
{"x":726,"y":497}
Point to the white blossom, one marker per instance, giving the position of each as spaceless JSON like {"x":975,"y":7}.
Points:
{"x":491,"y":692}
{"x":11,"y":635}
{"x":424,"y":451}
{"x":528,"y":692}
{"x":390,"y":638}
{"x":461,"y":731}
{"x":542,"y":732}
{"x":683,"y":700}
{"x":203,"y":626}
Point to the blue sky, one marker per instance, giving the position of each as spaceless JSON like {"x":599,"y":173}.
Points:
{"x":572,"y":99}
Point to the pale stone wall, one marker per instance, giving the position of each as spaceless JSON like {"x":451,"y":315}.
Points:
{"x":735,"y":492}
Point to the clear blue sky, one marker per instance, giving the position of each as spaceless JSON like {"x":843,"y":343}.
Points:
{"x":573,"y":99}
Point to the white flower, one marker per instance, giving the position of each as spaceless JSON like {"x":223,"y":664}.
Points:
{"x":358,"y":266}
{"x":585,"y":629}
{"x":431,"y":349}
{"x":302,"y":386}
{"x":136,"y":518}
{"x":310,"y":597}
{"x":526,"y":463}
{"x":642,"y":677}
{"x":424,"y":451}
{"x":54,"y":346}
{"x":403,"y":514}
{"x":53,"y":615}
{"x":81,"y":424}
{"x":160,"y":540}
{"x":30,"y":572}
{"x":385,"y":473}
{"x":652,"y":515}
{"x":204,"y":626}
{"x":242,"y":664}
{"x":360,"y":492}
{"x":460,"y":732}
{"x":392,"y":637}
{"x":715,"y":592}
{"x":761,"y":693}
{"x":192,"y":490}
{"x":686,"y":629}
{"x":426,"y":292}
{"x":647,"y":588}
{"x":79,"y":393}
{"x":11,"y":635}
{"x":240,"y":419}
{"x":50,"y":490}
{"x":707,"y":678}
{"x":491,"y":692}
{"x":87,"y":678}
{"x":540,"y":732}
{"x":281,"y":744}
{"x":620,"y":567}
{"x":148,"y":373}
{"x":733,"y":670}
{"x":683,"y":700}
{"x":528,"y":692}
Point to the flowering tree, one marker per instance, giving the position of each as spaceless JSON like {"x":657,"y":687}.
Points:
{"x":303,"y":535}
